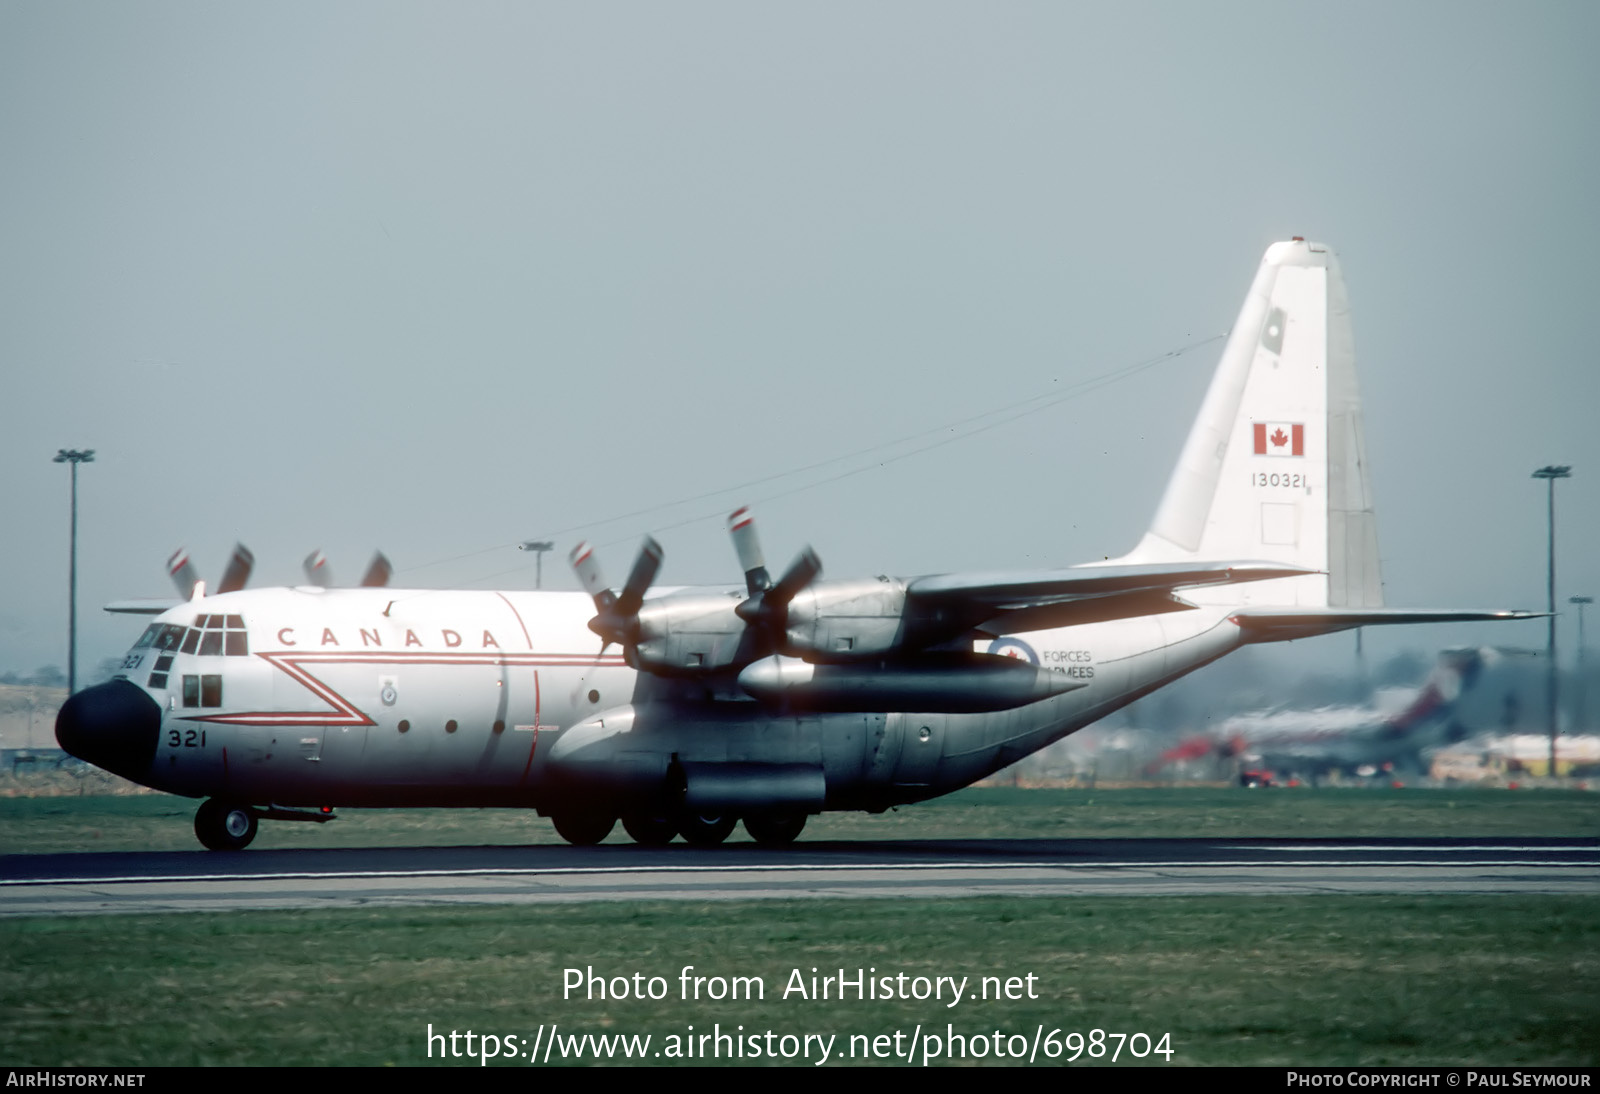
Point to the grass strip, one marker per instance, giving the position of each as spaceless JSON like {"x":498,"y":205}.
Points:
{"x":159,"y":822}
{"x":1235,"y":980}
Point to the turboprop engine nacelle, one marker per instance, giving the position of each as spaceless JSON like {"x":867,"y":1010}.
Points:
{"x":845,"y":621}
{"x":840,"y":622}
{"x":690,"y":635}
{"x":933,"y":684}
{"x":697,"y":633}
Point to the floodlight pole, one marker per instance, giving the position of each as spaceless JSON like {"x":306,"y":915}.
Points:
{"x":1552,"y":688}
{"x":1580,"y":722}
{"x":74,"y":457}
{"x":538,"y":547}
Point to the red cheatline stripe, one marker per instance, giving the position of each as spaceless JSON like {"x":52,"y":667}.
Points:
{"x":346,"y":713}
{"x":365,"y":657}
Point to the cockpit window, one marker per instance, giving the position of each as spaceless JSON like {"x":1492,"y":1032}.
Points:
{"x":170,"y":638}
{"x":216,"y":635}
{"x":211,"y":636}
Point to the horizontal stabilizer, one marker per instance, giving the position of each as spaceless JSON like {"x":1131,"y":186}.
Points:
{"x":141,"y":607}
{"x":1278,"y":624}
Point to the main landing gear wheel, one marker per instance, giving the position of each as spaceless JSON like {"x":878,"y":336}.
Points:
{"x":775,"y":829}
{"x":650,"y":829}
{"x":583,"y":829}
{"x":224,"y":826}
{"x":706,"y":831}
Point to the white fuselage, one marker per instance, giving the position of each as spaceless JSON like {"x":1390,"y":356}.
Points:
{"x":382,"y":696}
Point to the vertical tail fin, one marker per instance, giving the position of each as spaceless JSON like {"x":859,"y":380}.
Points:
{"x":1455,"y":673}
{"x":1275,"y":466}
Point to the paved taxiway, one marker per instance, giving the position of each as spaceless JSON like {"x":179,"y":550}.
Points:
{"x":202,"y":881}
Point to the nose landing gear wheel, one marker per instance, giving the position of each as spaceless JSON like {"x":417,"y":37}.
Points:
{"x":706,"y":831}
{"x":650,"y":829}
{"x":583,"y":829}
{"x":224,"y":826}
{"x":775,"y":829}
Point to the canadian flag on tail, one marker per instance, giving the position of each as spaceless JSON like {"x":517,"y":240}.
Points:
{"x":1280,"y":439}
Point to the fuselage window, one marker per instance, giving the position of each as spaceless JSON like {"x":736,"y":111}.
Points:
{"x":148,"y":636}
{"x":202,"y":691}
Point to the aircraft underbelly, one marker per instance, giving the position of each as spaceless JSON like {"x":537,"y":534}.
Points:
{"x":1118,"y":662}
{"x":922,"y":739}
{"x":635,"y":749}
{"x":261,"y":761}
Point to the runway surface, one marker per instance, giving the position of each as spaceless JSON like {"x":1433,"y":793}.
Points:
{"x":206,"y":881}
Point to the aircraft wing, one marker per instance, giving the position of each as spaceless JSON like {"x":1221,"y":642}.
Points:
{"x":1277,"y":624}
{"x":1039,"y":599}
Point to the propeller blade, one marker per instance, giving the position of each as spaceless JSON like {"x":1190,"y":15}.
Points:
{"x":742,"y":527}
{"x":801,"y":572}
{"x":378,"y":572}
{"x":238,"y":571}
{"x":183,"y":573}
{"x":769,"y":608}
{"x":587,"y":567}
{"x":644,"y":572}
{"x":617,"y":617}
{"x":316,"y":568}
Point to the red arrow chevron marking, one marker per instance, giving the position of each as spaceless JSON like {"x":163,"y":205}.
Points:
{"x":345,"y":713}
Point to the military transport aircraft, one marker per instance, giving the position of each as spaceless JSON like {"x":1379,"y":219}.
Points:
{"x":787,"y":697}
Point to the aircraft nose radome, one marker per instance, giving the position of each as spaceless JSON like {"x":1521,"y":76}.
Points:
{"x":113,"y":725}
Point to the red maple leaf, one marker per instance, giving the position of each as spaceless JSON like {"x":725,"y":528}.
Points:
{"x":1279,"y":438}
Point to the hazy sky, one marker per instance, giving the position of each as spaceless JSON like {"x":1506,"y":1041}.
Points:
{"x":440,"y":278}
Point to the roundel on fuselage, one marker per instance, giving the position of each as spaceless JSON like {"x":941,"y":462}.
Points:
{"x":1014,"y":647}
